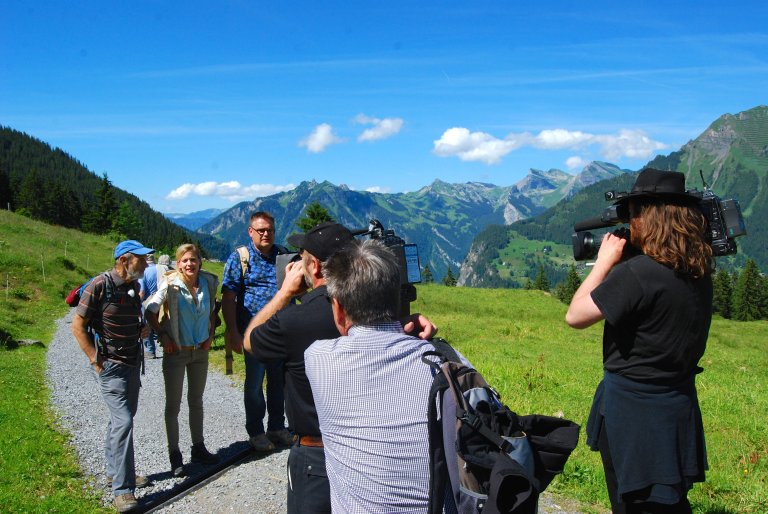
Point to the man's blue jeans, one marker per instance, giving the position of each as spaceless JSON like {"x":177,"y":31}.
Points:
{"x":255,"y":405}
{"x":119,"y":386}
{"x":150,"y":343}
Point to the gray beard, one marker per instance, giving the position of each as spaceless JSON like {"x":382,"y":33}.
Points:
{"x":133,"y":274}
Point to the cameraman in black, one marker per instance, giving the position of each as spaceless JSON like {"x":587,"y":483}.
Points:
{"x":657,"y":307}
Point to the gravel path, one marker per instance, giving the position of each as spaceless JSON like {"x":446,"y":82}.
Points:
{"x":255,"y":486}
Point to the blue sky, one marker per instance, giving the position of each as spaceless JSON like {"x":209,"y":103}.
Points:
{"x":191,"y":105}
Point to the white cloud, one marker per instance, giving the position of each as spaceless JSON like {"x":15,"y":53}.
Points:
{"x":473,"y":146}
{"x":232,"y":191}
{"x":557,"y":139}
{"x":382,"y":128}
{"x":575,"y":162}
{"x":634,"y":144}
{"x":377,"y":189}
{"x":320,"y":138}
{"x":480,"y":146}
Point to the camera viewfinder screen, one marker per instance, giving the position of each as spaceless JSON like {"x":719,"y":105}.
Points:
{"x":412,"y":263}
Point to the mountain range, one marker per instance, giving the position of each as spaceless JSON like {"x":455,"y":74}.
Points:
{"x":193,"y":220}
{"x":442,"y":219}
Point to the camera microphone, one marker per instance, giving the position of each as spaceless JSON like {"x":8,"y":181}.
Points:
{"x":589,"y":224}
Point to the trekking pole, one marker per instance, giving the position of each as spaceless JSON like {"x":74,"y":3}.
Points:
{"x":227,"y":357}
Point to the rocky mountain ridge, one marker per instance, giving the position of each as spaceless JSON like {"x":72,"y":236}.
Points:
{"x":441,"y":218}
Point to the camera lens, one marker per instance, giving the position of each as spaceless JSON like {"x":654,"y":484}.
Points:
{"x":584,"y":246}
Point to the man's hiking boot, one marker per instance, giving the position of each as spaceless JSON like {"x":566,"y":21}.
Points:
{"x":261,"y":444}
{"x":126,"y":502}
{"x":281,"y":437}
{"x":177,"y":463}
{"x":201,"y":454}
{"x":141,"y":481}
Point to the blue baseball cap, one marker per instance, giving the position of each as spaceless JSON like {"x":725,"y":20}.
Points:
{"x":131,"y":246}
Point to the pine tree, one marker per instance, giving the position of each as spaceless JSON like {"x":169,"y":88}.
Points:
{"x":449,"y":279}
{"x":748,"y":294}
{"x":6,"y":196}
{"x":99,"y":218}
{"x":565,"y":290}
{"x":314,"y":214}
{"x":426,"y":275}
{"x":126,"y":222}
{"x":31,"y":197}
{"x":722,"y":294}
{"x":764,"y":299}
{"x":541,"y":282}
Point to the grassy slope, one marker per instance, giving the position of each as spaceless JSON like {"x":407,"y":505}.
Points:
{"x":40,"y":471}
{"x":519,"y":341}
{"x":516,"y":338}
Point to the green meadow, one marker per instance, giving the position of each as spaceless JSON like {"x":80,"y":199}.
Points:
{"x":516,"y":338}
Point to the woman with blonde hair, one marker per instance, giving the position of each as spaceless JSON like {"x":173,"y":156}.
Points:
{"x":183,"y":314}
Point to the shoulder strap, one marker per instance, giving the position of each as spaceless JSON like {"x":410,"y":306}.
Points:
{"x":211,"y":282}
{"x":245,"y":256}
{"x":109,"y":291}
{"x":444,"y":349}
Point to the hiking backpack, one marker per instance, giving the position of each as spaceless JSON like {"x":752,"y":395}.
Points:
{"x":111,"y":295}
{"x":484,"y":458}
{"x":73,"y":298}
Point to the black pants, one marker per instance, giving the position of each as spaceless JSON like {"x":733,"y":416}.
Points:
{"x":308,"y":489}
{"x":632,"y":503}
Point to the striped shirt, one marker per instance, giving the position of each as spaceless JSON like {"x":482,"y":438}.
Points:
{"x":371,"y":390}
{"x":120,"y":322}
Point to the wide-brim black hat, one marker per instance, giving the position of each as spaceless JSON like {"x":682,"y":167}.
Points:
{"x":323,"y":240}
{"x":662,"y":185}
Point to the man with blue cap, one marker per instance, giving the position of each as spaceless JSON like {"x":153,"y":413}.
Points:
{"x":111,"y":306}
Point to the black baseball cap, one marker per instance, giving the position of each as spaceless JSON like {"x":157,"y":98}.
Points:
{"x":323,"y":240}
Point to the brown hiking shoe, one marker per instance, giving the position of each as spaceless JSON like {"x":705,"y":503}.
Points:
{"x":261,"y":444}
{"x":126,"y":502}
{"x":281,"y":437}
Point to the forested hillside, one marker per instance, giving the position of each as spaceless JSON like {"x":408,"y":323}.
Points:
{"x":47,"y":184}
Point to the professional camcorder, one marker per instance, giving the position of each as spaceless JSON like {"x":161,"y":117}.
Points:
{"x":407,"y":258}
{"x":407,"y":255}
{"x":724,"y":220}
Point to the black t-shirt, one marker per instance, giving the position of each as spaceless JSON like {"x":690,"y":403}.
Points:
{"x":656,"y":321}
{"x":284,"y":337}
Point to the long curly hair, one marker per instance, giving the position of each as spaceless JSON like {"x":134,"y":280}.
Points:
{"x":673,"y":234}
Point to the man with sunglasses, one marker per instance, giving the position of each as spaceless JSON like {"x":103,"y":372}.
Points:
{"x":246,"y":289}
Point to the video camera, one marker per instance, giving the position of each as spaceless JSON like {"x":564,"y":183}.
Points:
{"x":407,"y":255}
{"x":724,"y":220}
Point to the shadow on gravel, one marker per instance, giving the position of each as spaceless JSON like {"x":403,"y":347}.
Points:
{"x":198,"y":475}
